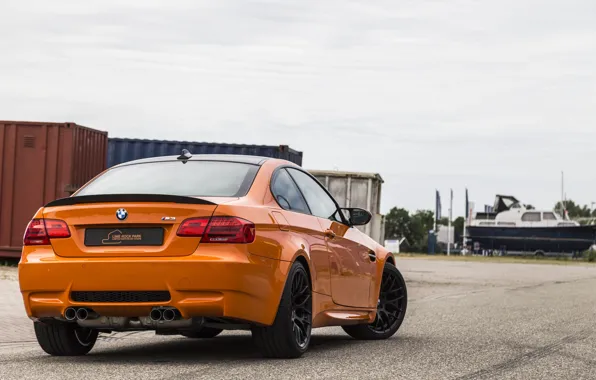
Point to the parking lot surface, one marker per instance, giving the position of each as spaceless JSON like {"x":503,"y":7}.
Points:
{"x":465,"y":320}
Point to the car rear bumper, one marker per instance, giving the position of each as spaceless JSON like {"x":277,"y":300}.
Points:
{"x":233,"y":285}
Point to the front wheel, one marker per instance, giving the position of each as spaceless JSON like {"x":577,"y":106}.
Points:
{"x":391,"y":308}
{"x":289,"y":336}
{"x":64,"y":339}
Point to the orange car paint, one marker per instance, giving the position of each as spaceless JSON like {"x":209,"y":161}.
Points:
{"x":217,"y":280}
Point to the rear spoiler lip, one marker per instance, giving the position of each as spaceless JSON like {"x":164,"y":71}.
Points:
{"x":124,"y":198}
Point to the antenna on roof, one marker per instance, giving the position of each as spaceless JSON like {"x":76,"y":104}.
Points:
{"x":185,"y":156}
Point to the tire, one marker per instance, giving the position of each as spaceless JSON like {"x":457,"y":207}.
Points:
{"x":64,"y":339}
{"x":203,"y":333}
{"x":289,"y":336}
{"x":390,"y":315}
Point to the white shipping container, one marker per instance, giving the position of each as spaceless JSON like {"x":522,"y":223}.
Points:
{"x":355,"y":189}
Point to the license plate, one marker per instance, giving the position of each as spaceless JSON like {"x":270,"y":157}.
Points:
{"x":95,"y":237}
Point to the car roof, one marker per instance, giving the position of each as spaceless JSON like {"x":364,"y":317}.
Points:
{"x":252,"y":160}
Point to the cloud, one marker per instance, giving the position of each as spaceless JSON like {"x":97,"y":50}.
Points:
{"x":496,"y":96}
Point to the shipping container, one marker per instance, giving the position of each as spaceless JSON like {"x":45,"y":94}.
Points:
{"x":40,"y":162}
{"x":353,"y":189}
{"x":123,"y":150}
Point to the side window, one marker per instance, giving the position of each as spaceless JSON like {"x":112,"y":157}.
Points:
{"x":548,"y":216}
{"x":286,"y":193}
{"x":531,"y":217}
{"x":320,"y":203}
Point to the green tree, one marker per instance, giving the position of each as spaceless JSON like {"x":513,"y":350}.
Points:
{"x":458,"y":226}
{"x":397,"y":224}
{"x":421,"y":222}
{"x":575,"y":210}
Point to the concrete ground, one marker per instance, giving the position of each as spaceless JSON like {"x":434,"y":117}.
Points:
{"x":465,"y":320}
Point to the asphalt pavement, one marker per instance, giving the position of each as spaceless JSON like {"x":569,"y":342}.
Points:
{"x":465,"y":320}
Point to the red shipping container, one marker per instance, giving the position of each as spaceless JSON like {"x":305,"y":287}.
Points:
{"x":40,"y":162}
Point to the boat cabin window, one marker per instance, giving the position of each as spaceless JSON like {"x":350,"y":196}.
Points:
{"x":531,"y":217}
{"x":506,"y":224}
{"x":549,"y":216}
{"x":487,"y":223}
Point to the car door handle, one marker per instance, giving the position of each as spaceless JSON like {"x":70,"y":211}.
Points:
{"x":372,"y":256}
{"x":330,"y":234}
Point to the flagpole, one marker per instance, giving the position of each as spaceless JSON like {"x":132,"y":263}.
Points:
{"x":449,"y":224}
{"x":436,"y":209}
{"x":465,"y":223}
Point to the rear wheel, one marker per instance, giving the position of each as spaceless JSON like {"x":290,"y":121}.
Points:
{"x":204,"y":332}
{"x":289,"y":336}
{"x":391,"y":308}
{"x":64,"y":339}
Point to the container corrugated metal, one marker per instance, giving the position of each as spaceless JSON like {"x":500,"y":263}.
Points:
{"x":40,"y":162}
{"x":354,"y":189}
{"x":123,"y":150}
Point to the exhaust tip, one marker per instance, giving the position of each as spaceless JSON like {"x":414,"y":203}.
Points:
{"x":169,"y":314}
{"x":156,"y":315}
{"x":70,"y":314}
{"x":82,"y":314}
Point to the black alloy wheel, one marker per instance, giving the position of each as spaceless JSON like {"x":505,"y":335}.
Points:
{"x":391,"y":305}
{"x":301,"y":309}
{"x":289,"y":336}
{"x":391,"y":308}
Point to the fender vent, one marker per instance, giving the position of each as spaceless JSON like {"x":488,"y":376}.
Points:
{"x":121,"y":297}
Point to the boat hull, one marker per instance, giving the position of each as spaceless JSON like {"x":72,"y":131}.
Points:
{"x":567,"y":239}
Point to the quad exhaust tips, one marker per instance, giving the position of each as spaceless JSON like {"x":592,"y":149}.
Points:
{"x":164,"y":314}
{"x":79,"y":314}
{"x":157,"y":314}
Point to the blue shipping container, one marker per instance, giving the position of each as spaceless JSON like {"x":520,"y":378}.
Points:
{"x":123,"y":150}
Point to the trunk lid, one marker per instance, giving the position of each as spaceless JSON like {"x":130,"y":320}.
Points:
{"x":126,"y":226}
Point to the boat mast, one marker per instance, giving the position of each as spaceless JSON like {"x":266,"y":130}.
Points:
{"x":563,"y":213}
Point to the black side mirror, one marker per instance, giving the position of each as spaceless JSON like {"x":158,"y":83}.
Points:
{"x":357,"y":216}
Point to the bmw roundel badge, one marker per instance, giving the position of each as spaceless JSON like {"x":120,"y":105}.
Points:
{"x":121,"y":214}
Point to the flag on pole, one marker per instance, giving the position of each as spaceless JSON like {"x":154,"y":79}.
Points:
{"x":467,"y":206}
{"x":451,"y":205}
{"x":437,"y":206}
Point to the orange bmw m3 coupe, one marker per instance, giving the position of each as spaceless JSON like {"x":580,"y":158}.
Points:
{"x":197,"y":244}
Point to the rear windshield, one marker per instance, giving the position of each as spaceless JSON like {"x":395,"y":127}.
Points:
{"x":194,"y":179}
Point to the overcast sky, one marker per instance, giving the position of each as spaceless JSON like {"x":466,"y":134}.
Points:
{"x":498,"y":96}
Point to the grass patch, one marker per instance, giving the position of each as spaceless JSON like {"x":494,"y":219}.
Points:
{"x":507,"y":259}
{"x":9,"y":262}
{"x":590,"y":256}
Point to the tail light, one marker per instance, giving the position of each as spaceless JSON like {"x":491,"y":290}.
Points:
{"x":219,"y":229}
{"x":40,"y":231}
{"x":193,"y":227}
